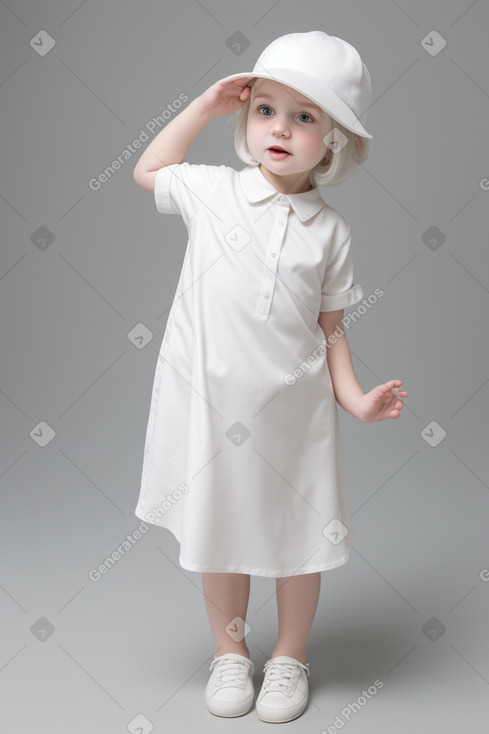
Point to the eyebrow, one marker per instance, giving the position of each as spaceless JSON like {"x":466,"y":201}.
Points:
{"x":309,"y":105}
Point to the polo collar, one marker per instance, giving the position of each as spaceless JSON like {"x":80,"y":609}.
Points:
{"x":257,"y":188}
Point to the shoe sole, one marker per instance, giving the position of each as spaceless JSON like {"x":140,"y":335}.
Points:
{"x":229,"y":710}
{"x":275,"y":717}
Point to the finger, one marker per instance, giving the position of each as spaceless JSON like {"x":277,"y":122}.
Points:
{"x":242,"y":81}
{"x":397,"y":393}
{"x":232,"y":88}
{"x":393,"y":383}
{"x":379,"y":393}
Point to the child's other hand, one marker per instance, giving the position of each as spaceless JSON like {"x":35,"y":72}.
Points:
{"x":224,"y":98}
{"x":380,"y":403}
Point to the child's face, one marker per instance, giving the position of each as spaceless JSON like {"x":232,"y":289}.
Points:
{"x":280,"y":116}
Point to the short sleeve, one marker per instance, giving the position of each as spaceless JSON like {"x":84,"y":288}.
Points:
{"x":182,"y":188}
{"x":338,"y":289}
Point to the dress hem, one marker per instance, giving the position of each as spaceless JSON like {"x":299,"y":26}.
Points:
{"x":266,"y":574}
{"x":200,"y":568}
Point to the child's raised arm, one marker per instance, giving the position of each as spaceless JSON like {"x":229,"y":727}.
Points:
{"x":172,"y":143}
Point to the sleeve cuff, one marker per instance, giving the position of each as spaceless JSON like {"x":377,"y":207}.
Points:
{"x":163,"y":201}
{"x":341,"y":300}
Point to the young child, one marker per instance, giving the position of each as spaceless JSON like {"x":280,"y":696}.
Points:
{"x":243,"y":460}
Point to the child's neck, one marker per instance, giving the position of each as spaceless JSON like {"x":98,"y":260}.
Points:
{"x":292,"y":184}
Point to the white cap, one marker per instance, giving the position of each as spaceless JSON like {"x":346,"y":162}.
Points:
{"x":326,"y":69}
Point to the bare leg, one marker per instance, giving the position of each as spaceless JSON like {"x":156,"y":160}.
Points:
{"x":297,"y":599}
{"x":226,"y":597}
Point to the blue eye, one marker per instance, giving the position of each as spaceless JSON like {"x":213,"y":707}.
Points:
{"x":267,"y":111}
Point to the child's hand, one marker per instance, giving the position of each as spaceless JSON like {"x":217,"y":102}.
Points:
{"x":224,"y":98}
{"x":380,"y":403}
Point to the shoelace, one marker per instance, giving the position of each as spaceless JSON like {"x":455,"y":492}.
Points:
{"x":230,"y":672}
{"x":277,"y":672}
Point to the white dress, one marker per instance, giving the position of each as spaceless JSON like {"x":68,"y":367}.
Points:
{"x":243,"y":460}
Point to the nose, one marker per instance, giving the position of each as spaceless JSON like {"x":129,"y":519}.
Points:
{"x":280,"y":126}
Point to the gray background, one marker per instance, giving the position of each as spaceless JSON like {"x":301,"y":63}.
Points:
{"x":82,"y":268}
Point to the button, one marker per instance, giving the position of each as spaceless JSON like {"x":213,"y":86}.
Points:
{"x":272,"y":254}
{"x":266,"y":297}
{"x":280,"y":224}
{"x":281,"y":198}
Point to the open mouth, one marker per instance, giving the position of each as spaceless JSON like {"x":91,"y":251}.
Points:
{"x":277,"y":152}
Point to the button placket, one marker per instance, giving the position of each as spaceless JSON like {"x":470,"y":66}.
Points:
{"x":272,"y":258}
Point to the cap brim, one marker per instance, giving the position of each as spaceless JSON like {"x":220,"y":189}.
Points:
{"x":310,"y":87}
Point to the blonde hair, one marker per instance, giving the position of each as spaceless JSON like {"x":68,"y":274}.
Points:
{"x":342,"y":165}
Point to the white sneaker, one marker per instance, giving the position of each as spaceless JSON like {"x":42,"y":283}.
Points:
{"x":285,"y":690}
{"x":230,"y":691}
